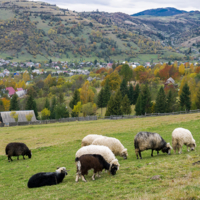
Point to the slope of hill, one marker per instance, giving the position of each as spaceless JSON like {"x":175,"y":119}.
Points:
{"x":161,"y":12}
{"x":39,"y":31}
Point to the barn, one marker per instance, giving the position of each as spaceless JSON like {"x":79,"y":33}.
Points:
{"x":6,"y":118}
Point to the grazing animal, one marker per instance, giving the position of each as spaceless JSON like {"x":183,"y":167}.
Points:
{"x":113,"y":144}
{"x":17,"y":149}
{"x":87,"y":140}
{"x":104,"y":151}
{"x":180,"y":137}
{"x":147,"y":140}
{"x":47,"y":178}
{"x":96,"y":162}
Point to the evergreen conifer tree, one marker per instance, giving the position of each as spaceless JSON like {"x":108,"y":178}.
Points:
{"x":171,"y":102}
{"x":117,"y":104}
{"x":146,"y":100}
{"x":131,"y":94}
{"x":107,"y":93}
{"x":137,"y":92}
{"x":124,"y":88}
{"x":100,"y":100}
{"x":126,"y":107}
{"x":52,"y":109}
{"x":14,"y":105}
{"x":185,"y":97}
{"x":75,"y":99}
{"x":110,"y":106}
{"x":61,"y":98}
{"x":138,"y":105}
{"x":160,"y":106}
{"x":47,"y":104}
{"x":31,"y":105}
{"x":198,"y":99}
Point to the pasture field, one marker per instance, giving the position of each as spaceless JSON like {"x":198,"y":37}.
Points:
{"x":55,"y":145}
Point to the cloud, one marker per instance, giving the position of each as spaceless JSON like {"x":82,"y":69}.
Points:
{"x":125,"y":6}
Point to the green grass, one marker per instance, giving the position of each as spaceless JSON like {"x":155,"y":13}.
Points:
{"x":55,"y":145}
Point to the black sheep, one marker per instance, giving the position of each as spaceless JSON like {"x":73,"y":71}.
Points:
{"x":92,"y":161}
{"x":47,"y":178}
{"x":17,"y":149}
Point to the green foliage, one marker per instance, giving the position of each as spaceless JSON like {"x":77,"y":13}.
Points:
{"x":77,"y":108}
{"x":160,"y":106}
{"x":45,"y":113}
{"x":198,"y":99}
{"x":107,"y":93}
{"x":89,"y":109}
{"x":124,"y":88}
{"x":61,"y":111}
{"x":137,"y":92}
{"x":146,"y":100}
{"x":47,"y":104}
{"x":131,"y":94}
{"x":52,"y":109}
{"x":171,"y":102}
{"x":31,"y":105}
{"x":185,"y":98}
{"x":138,"y":105}
{"x":125,"y":105}
{"x":100,"y":101}
{"x":75,"y":99}
{"x":14,"y":105}
{"x":126,"y":72}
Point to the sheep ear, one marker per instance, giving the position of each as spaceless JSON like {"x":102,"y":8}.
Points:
{"x":58,"y":167}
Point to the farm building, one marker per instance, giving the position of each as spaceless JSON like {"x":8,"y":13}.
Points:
{"x":6,"y":118}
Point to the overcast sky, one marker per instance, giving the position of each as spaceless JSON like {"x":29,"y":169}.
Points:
{"x":125,"y":6}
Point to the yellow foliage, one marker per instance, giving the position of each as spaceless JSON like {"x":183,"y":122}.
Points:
{"x":6,"y":104}
{"x":77,"y":108}
{"x":182,"y":69}
{"x":14,"y":115}
{"x":45,"y":113}
{"x":26,"y":77}
{"x":86,"y":94}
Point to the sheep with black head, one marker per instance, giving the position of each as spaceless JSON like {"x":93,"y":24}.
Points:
{"x":96,"y":162}
{"x":47,"y":178}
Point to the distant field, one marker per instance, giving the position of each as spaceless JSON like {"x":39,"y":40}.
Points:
{"x":55,"y":145}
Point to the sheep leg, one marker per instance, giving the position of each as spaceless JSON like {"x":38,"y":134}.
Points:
{"x":98,"y":174}
{"x":93,"y":177}
{"x":23,"y":158}
{"x":157,"y":152}
{"x":17,"y":157}
{"x":83,"y":178}
{"x":152,"y":153}
{"x":77,"y":177}
{"x":180,"y":150}
{"x":136,"y":152}
{"x":140,"y":155}
{"x":188,"y":149}
{"x":9,"y":158}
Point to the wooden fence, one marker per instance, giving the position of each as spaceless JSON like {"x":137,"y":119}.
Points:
{"x":91,"y":118}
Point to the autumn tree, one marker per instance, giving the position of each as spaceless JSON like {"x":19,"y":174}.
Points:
{"x":14,"y":115}
{"x":182,"y":69}
{"x":77,"y":108}
{"x":86,"y":93}
{"x":45,"y":113}
{"x":198,"y":99}
{"x":6,"y":104}
{"x":113,"y":81}
{"x":26,"y":77}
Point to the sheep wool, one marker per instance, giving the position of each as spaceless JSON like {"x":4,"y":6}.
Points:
{"x":87,"y":140}
{"x":100,"y":150}
{"x":113,"y":144}
{"x":181,"y":136}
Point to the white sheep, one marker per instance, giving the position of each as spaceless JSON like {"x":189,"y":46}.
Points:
{"x":113,"y":144}
{"x":99,"y":150}
{"x":180,"y":137}
{"x":87,"y":140}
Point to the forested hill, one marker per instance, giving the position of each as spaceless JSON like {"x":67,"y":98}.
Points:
{"x":161,"y":12}
{"x":40,"y":31}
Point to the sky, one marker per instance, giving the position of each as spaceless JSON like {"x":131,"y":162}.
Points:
{"x":125,"y":6}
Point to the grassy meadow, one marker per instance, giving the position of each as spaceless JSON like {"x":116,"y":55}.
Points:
{"x":55,"y":145}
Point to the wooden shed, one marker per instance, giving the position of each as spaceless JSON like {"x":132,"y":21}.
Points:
{"x":6,"y":118}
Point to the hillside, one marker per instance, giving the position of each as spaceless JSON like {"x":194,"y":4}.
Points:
{"x":40,"y":31}
{"x":55,"y":145}
{"x":161,"y":12}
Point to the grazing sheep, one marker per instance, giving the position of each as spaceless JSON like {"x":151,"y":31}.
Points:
{"x":17,"y":149}
{"x":47,"y":178}
{"x":113,"y":144}
{"x":104,"y":151}
{"x":146,"y":140}
{"x":96,"y":162}
{"x":87,"y":140}
{"x":180,"y":137}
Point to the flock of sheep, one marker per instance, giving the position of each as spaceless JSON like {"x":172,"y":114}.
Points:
{"x":98,"y":152}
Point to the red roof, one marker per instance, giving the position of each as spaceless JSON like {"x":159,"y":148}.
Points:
{"x":10,"y":90}
{"x":19,"y":89}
